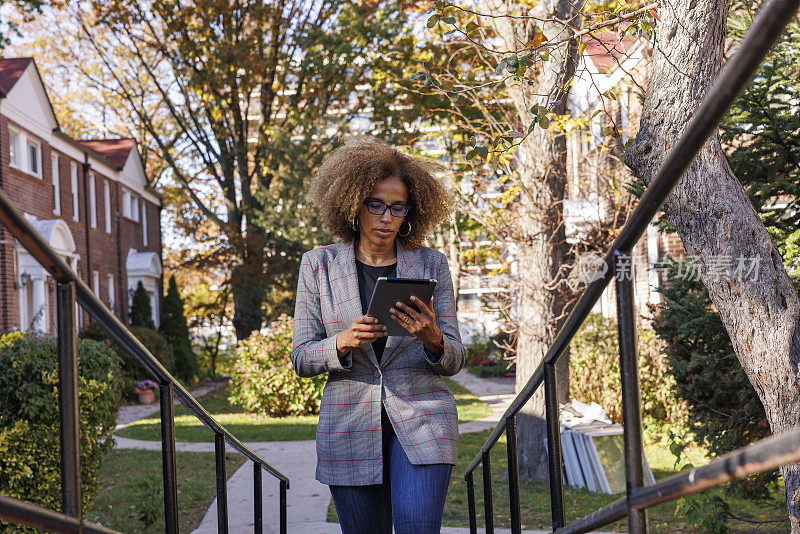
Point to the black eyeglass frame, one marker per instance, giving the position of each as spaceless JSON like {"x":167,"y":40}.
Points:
{"x":385,"y":207}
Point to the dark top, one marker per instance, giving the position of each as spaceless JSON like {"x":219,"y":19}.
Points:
{"x":367,"y":278}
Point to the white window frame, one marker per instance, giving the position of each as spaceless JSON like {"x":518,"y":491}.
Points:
{"x":111,"y":291}
{"x":96,"y":283}
{"x":126,"y":204}
{"x":14,"y":137}
{"x":19,"y":144}
{"x":154,"y":306}
{"x":73,"y":175}
{"x":107,"y":206}
{"x":32,"y":143}
{"x":144,"y":223}
{"x":92,"y":201}
{"x":78,"y":309}
{"x":135,"y":208}
{"x":54,"y":176}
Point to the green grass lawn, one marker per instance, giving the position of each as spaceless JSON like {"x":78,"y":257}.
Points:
{"x":124,"y":478}
{"x":248,"y":427}
{"x":468,"y":405}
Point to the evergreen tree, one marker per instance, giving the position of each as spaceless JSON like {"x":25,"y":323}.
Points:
{"x":141,"y":312}
{"x":761,"y":134}
{"x":724,"y":411}
{"x":176,"y":331}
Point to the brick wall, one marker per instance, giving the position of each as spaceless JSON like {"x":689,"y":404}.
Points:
{"x":99,"y":251}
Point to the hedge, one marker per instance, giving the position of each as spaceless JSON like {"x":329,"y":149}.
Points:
{"x":30,"y":423}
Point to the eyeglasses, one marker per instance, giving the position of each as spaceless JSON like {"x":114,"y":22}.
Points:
{"x":376,"y":207}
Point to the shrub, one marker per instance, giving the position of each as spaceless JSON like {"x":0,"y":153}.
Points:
{"x":263,"y":380}
{"x":487,"y":371}
{"x":488,"y":358}
{"x":29,"y":417}
{"x":478,"y":353}
{"x":132,"y":370}
{"x":723,"y":407}
{"x":594,"y":376}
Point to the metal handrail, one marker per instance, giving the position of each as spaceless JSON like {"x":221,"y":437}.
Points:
{"x":70,"y":288}
{"x":762,"y":34}
{"x":32,"y":515}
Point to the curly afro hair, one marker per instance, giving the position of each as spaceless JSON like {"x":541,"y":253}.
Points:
{"x":348,"y":176}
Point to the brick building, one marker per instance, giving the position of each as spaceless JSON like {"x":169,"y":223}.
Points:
{"x":610,"y":79}
{"x":88,"y":199}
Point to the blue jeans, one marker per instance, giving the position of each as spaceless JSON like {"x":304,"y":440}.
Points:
{"x":411,"y":496}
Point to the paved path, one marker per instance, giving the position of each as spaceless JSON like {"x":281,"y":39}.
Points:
{"x":307,"y":499}
{"x":130,"y":413}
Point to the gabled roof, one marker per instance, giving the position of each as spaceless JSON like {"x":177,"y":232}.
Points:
{"x":18,"y":90}
{"x":11,"y":69}
{"x":607,"y":49}
{"x":116,"y":150}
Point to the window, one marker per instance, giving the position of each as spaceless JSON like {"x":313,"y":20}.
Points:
{"x":96,"y":283}
{"x":34,"y":158}
{"x":24,"y":153}
{"x":130,"y":205}
{"x":144,"y":223}
{"x":92,"y":202}
{"x":111,"y":291}
{"x":126,"y":204}
{"x":134,"y":207}
{"x":156,"y":315}
{"x":73,"y":180}
{"x":107,"y":201}
{"x":78,"y":309}
{"x":56,"y":185}
{"x":13,"y":149}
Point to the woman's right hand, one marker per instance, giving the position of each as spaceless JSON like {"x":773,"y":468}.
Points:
{"x":364,"y":329}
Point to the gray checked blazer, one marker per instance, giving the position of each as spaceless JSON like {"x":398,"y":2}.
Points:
{"x":409,"y":384}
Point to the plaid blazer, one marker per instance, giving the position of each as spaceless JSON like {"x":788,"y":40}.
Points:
{"x":408,"y":383}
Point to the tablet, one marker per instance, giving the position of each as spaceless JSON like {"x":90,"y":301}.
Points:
{"x":388,"y":291}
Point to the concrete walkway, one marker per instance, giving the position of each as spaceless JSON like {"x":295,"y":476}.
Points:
{"x":133,"y":412}
{"x":307,"y":499}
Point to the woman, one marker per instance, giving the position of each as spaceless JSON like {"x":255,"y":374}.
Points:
{"x":387,"y":436}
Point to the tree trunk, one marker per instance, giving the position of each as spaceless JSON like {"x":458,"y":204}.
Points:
{"x":539,"y":232}
{"x":716,"y":221}
{"x":454,"y":254}
{"x":247,"y":285}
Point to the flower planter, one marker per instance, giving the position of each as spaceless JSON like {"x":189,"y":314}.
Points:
{"x":147,"y":396}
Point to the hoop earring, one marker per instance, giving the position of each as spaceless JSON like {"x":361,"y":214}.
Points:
{"x":409,"y":229}
{"x":354,"y":224}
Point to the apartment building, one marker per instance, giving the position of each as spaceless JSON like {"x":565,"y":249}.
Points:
{"x":608,"y":89}
{"x":89,"y":199}
{"x":610,"y":80}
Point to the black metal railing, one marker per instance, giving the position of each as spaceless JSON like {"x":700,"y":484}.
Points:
{"x":761,"y":456}
{"x":69,"y":289}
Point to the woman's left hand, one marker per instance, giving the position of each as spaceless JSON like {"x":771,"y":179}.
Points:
{"x":421,"y":324}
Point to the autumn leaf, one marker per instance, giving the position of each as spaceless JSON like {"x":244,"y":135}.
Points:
{"x":537,"y":40}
